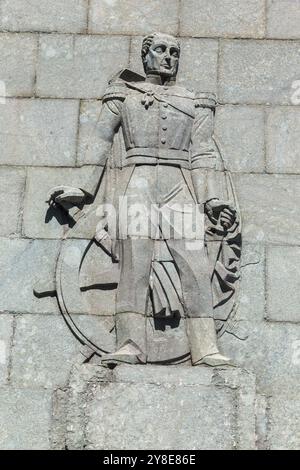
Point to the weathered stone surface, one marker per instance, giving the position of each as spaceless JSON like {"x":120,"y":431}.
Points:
{"x":6,"y":332}
{"x":283,"y":283}
{"x":88,"y":138}
{"x":165,"y":375}
{"x":167,"y":339}
{"x":251,"y":297}
{"x":240,"y":133}
{"x":80,"y":295}
{"x":271,"y":352}
{"x":39,"y":220}
{"x":283,"y":140}
{"x":38,"y":132}
{"x":261,"y":418}
{"x":79,"y":66}
{"x":283,"y":18}
{"x":24,"y":263}
{"x":133,"y":16}
{"x":203,"y":54}
{"x":160,"y":397}
{"x":25,"y":419}
{"x":43,"y":352}
{"x":12,"y":183}
{"x":269,"y":207}
{"x":258,"y":71}
{"x":284,"y":426}
{"x":17,"y":64}
{"x":218,"y":18}
{"x":45,"y":349}
{"x":44,"y":15}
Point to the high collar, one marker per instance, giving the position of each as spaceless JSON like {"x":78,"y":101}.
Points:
{"x":157,"y":80}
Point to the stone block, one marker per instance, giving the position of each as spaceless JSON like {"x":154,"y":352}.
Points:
{"x":269,"y":207}
{"x":25,"y":419}
{"x":88,"y":138}
{"x":271,"y":352}
{"x":283,"y":140}
{"x":44,"y":15}
{"x":258,"y":72}
{"x":157,"y":407}
{"x":240,"y":133}
{"x":12,"y":184}
{"x":203,"y":54}
{"x":45,"y":349}
{"x":40,"y":221}
{"x":133,"y":16}
{"x":283,"y":283}
{"x":22,"y":264}
{"x":17,"y":64}
{"x":226,"y":19}
{"x":79,"y":67}
{"x":39,"y":132}
{"x":284,"y":426}
{"x":135,"y":416}
{"x":6,"y":332}
{"x":283,"y":18}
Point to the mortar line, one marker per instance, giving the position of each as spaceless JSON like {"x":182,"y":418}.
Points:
{"x":113,"y":35}
{"x":88,"y":6}
{"x":265,"y":272}
{"x":77,"y":132}
{"x":57,"y":314}
{"x":266,"y":17}
{"x":130,"y":49}
{"x":269,"y":244}
{"x":37,"y":54}
{"x":21,"y":203}
{"x":219,"y":58}
{"x":11,"y":346}
{"x":179,"y":12}
{"x":265,"y":146}
{"x":268,"y":421}
{"x":86,"y":165}
{"x":99,"y":98}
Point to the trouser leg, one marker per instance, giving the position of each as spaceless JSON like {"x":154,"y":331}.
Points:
{"x":135,"y":264}
{"x":195,"y":275}
{"x":192,"y":263}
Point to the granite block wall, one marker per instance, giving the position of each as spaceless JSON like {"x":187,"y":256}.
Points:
{"x":56,"y":57}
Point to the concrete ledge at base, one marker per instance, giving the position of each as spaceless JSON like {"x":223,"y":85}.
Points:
{"x":155,"y":407}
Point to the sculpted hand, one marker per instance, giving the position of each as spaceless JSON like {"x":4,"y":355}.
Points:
{"x":64,"y":195}
{"x":222,"y":212}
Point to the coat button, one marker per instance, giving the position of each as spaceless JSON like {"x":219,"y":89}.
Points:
{"x":165,"y":105}
{"x":164,"y":116}
{"x":163,"y":140}
{"x":164,"y":128}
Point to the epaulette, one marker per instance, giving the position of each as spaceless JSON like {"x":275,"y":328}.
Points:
{"x":117,"y":84}
{"x":115,"y":90}
{"x":205,"y":100}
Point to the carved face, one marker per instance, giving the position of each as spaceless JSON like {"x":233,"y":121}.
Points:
{"x":162,"y":57}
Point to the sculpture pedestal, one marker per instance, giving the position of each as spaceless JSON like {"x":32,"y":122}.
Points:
{"x":156,"y":407}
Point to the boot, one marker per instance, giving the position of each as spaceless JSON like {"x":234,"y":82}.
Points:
{"x":203,"y":342}
{"x":131,"y":340}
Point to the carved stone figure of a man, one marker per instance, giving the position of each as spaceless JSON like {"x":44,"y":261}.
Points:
{"x":167,"y":132}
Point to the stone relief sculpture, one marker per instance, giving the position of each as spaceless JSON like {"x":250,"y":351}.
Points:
{"x":161,"y":212}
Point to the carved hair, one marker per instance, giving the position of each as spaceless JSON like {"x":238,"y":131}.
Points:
{"x":148,"y":40}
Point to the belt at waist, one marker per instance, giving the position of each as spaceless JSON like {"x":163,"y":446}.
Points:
{"x":160,"y":153}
